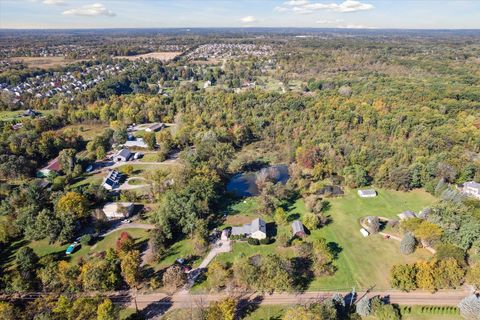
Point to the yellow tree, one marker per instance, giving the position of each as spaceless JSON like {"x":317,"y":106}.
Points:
{"x":73,"y":203}
{"x":130,"y":265}
{"x":425,"y":275}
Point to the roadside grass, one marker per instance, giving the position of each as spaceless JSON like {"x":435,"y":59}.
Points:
{"x":180,"y":249}
{"x":362,"y":262}
{"x":43,"y":248}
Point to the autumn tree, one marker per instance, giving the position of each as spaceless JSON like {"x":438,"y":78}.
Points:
{"x":403,"y":277}
{"x":217,"y":275}
{"x":72,"y":203}
{"x":130,"y":262}
{"x":174,"y":278}
{"x":107,"y":311}
{"x":223,"y":309}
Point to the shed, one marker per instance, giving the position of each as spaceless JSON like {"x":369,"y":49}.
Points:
{"x":297,"y":229}
{"x":364,"y":232}
{"x":367,"y":193}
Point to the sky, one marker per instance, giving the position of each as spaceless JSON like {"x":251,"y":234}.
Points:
{"x":404,"y":14}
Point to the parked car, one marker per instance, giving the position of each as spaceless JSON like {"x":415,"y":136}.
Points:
{"x":126,"y":221}
{"x":71,"y":248}
{"x":180,"y":260}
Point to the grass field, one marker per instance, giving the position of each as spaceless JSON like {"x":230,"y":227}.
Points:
{"x":270,"y":312}
{"x":44,"y":62}
{"x":18,"y":114}
{"x":87,"y":131}
{"x":362,"y":262}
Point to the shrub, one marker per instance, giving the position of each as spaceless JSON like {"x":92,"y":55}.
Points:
{"x":86,"y":239}
{"x":253,"y":241}
{"x":267,"y":240}
{"x":408,"y":243}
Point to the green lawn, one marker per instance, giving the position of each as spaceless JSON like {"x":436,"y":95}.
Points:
{"x":149,"y":157}
{"x":43,"y":248}
{"x":268,"y":312}
{"x":366,"y":262}
{"x":18,"y":114}
{"x":362,"y":262}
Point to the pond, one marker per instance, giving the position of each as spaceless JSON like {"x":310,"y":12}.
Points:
{"x":244,"y":184}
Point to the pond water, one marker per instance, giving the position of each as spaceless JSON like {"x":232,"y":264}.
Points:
{"x":244,"y":184}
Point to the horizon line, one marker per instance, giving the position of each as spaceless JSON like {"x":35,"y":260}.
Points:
{"x":249,"y":27}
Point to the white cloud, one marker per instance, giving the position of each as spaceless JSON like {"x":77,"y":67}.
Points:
{"x":249,"y":19}
{"x":96,"y":9}
{"x":355,"y":26}
{"x":280,"y":9}
{"x":329,"y":21}
{"x":305,"y":6}
{"x":54,"y":2}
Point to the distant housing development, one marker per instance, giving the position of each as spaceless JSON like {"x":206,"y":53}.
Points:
{"x":256,"y":229}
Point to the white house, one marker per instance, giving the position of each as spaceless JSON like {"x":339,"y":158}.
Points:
{"x":118,"y":210}
{"x":367,"y":193}
{"x":256,"y":229}
{"x":472,"y":188}
{"x":364,"y":232}
{"x":112,"y":180}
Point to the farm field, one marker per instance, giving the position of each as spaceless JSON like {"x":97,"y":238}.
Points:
{"x":362,"y":262}
{"x":87,"y":131}
{"x":44,"y":62}
{"x":162,"y":56}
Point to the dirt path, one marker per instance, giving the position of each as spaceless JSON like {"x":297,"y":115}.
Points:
{"x":187,"y":300}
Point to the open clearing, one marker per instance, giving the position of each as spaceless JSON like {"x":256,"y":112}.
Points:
{"x":362,"y":262}
{"x":162,"y":56}
{"x":44,"y":62}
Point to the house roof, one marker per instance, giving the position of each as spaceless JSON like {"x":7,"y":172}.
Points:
{"x":297,"y":227}
{"x":124,"y":153}
{"x":156,"y":126}
{"x":472,"y":184}
{"x":367,"y":192}
{"x":53,"y":165}
{"x":249,"y":228}
{"x":111,"y":209}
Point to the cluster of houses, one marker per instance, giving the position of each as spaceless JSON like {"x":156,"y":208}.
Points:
{"x":47,"y":85}
{"x":228,"y":50}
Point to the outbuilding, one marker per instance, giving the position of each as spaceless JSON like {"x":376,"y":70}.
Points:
{"x":122,"y":156}
{"x":367,"y":193}
{"x":297,"y":229}
{"x":118,"y":210}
